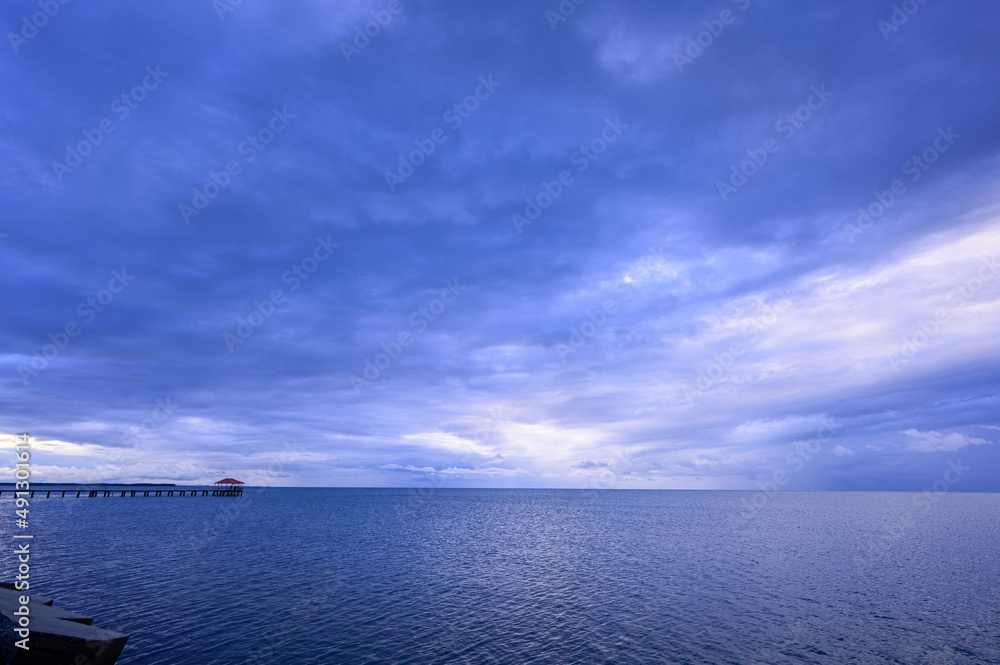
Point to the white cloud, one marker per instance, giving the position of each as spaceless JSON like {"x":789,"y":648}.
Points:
{"x":459,"y":471}
{"x":632,"y":55}
{"x":842,"y":451}
{"x":408,"y":467}
{"x":762,"y":431}
{"x":488,"y":471}
{"x":935,"y":442}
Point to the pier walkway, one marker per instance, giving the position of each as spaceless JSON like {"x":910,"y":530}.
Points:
{"x":88,"y":493}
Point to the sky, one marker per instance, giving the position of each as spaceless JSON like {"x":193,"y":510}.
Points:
{"x":739,"y":244}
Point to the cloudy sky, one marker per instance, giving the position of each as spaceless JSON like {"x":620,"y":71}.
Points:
{"x":608,"y":244}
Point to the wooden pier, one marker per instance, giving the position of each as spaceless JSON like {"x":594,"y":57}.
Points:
{"x":225,"y":487}
{"x":123,"y":493}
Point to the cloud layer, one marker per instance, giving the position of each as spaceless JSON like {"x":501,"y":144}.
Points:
{"x":415,"y":244}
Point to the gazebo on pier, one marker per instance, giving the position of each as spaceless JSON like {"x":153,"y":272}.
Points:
{"x":228,"y":487}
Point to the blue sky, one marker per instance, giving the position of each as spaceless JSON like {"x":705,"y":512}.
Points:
{"x":700,"y":245}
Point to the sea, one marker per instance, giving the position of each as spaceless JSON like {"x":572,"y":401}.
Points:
{"x":512,"y":577}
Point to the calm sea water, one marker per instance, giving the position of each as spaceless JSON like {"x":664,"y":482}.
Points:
{"x":528,"y":576}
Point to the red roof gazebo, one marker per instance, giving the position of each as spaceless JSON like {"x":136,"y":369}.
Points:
{"x":228,"y":487}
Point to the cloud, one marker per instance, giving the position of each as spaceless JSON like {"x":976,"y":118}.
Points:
{"x":486,"y":471}
{"x":408,"y":467}
{"x":842,"y":451}
{"x":935,"y":442}
{"x":493,"y":471}
{"x":590,"y":464}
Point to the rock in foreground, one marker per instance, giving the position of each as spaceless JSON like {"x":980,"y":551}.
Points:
{"x":58,"y":637}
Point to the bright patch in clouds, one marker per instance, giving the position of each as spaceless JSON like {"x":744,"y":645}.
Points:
{"x":935,"y":442}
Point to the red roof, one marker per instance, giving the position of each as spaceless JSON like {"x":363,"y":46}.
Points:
{"x":229,"y":481}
